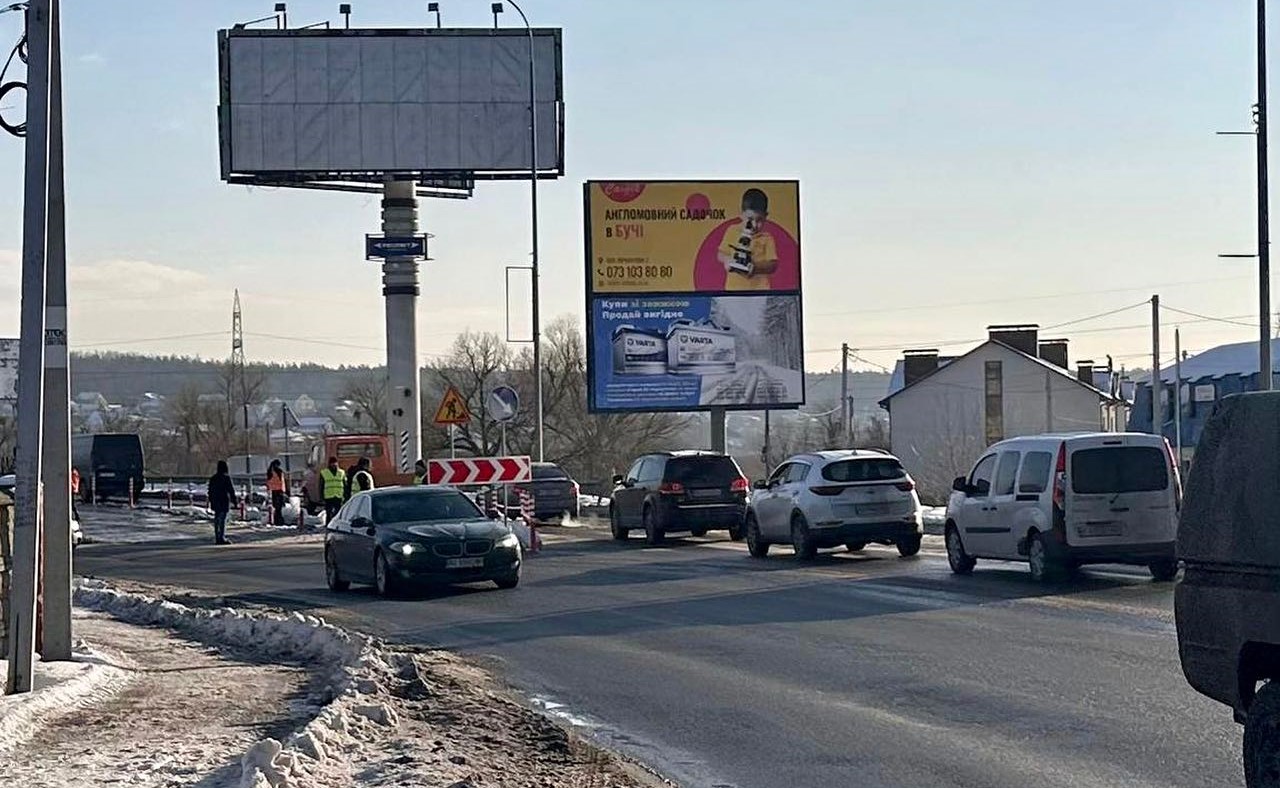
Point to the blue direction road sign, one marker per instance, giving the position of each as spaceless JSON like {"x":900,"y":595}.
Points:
{"x":504,"y":403}
{"x":381,"y":247}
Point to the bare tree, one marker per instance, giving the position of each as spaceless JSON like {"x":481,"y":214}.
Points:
{"x":368,"y":398}
{"x":477,"y":362}
{"x":8,"y":442}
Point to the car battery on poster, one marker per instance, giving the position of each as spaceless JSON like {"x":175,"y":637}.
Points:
{"x":638,"y":352}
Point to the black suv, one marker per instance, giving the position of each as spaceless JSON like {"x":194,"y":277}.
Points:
{"x":694,"y":491}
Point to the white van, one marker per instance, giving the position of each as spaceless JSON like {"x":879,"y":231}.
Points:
{"x":1060,"y":501}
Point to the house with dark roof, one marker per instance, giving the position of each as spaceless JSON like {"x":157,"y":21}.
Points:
{"x":1206,"y":378}
{"x":946,"y":412}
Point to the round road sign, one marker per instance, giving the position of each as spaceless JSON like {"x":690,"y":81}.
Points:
{"x":504,"y":403}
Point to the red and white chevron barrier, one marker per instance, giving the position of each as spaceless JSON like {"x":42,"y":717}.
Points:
{"x":479,"y":470}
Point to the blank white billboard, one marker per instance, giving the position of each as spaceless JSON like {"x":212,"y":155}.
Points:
{"x":353,"y":104}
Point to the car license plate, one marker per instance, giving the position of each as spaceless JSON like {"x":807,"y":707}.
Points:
{"x":1101,"y":529}
{"x":464,"y":563}
{"x":873,"y":509}
{"x":705,"y":493}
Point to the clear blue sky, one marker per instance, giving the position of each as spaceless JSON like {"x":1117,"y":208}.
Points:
{"x":993,"y":151}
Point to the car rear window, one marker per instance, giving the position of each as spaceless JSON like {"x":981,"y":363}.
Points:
{"x":875,"y":469}
{"x":1119,"y":469}
{"x":703,"y":471}
{"x":546,"y":472}
{"x":422,"y":506}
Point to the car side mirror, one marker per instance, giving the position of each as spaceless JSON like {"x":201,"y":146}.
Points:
{"x":761,"y":484}
{"x":493,"y":514}
{"x":362,"y":524}
{"x":961,"y":485}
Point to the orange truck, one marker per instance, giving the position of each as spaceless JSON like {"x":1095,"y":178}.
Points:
{"x":349,"y":449}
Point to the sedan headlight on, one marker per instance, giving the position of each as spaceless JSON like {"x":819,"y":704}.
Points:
{"x":406,"y":549}
{"x":509,"y":541}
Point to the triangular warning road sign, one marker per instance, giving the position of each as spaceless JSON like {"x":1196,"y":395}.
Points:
{"x":453,"y":409}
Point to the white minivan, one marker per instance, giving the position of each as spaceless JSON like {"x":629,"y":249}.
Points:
{"x":1060,"y":501}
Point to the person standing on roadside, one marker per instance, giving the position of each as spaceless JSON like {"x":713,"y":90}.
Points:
{"x":278,"y":486}
{"x":359,"y":478}
{"x":420,"y":472}
{"x":222,"y":496}
{"x":333,"y":483}
{"x":75,"y":492}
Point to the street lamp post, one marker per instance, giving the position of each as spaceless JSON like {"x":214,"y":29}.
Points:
{"x":533,"y":202}
{"x":1264,"y":233}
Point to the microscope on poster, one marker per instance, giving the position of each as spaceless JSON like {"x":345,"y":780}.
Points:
{"x":742,"y":262}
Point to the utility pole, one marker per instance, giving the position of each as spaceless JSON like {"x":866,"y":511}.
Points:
{"x":26,"y":532}
{"x":1177,"y":395}
{"x":237,"y":374}
{"x":764,"y":451}
{"x":844,"y":394}
{"x":533,"y":210}
{"x":56,"y":457}
{"x":1264,"y":231}
{"x":1157,"y":383}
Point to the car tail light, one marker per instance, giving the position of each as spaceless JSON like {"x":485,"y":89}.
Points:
{"x":577,"y":489}
{"x":1060,"y":479}
{"x":906,"y":486}
{"x":828,"y":490}
{"x":739,"y":485}
{"x":671,"y":488}
{"x":1174,"y":462}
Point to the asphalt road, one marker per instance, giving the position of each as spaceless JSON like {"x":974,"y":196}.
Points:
{"x":855,"y":670}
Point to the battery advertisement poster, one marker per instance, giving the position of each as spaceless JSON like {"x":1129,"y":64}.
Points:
{"x":693,"y":295}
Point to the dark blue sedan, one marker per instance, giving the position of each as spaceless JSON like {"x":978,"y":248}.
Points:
{"x":400,"y":537}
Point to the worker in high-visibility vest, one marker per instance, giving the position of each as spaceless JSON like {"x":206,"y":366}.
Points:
{"x":359,"y":479}
{"x":333,"y":482}
{"x":420,"y":472}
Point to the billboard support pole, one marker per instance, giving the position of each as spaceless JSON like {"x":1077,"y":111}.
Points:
{"x":26,"y":533}
{"x":718,"y":418}
{"x":56,"y":457}
{"x":400,"y":289}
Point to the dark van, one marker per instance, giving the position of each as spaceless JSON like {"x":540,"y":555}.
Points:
{"x":108,"y":464}
{"x":1227,"y":605}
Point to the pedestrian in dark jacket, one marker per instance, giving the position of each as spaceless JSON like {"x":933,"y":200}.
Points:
{"x":222,"y":496}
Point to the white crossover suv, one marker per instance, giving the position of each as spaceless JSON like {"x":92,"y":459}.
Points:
{"x":830,"y":498}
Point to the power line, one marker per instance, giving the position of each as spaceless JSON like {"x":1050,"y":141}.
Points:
{"x":143,"y":340}
{"x":1209,"y":318}
{"x":1231,"y":320}
{"x":1044,"y":297}
{"x":1096,"y":317}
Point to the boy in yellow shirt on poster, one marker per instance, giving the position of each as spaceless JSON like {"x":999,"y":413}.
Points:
{"x":748,"y":251}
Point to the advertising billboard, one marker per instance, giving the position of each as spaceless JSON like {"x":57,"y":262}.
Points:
{"x":693,"y":295}
{"x":352,"y":104}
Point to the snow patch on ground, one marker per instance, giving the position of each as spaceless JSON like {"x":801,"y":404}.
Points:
{"x":312,"y":756}
{"x":935,"y":517}
{"x":57,"y":687}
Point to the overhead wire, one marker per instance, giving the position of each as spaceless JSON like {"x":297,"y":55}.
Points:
{"x":1210,"y":318}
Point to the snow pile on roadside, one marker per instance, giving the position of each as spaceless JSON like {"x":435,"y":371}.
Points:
{"x":355,"y":669}
{"x":57,"y":688}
